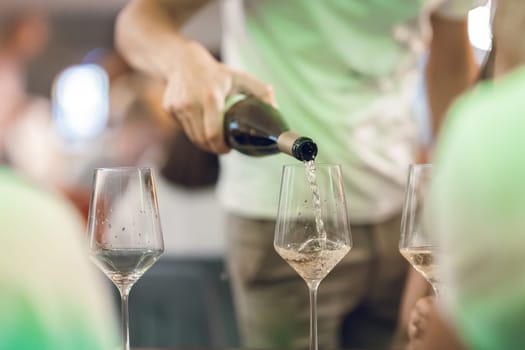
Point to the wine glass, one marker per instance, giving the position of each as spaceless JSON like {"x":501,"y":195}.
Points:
{"x":417,"y":244}
{"x":312,"y":232}
{"x":125,"y":236}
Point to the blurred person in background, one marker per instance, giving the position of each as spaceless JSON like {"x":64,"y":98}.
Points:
{"x":479,"y":214}
{"x":50,"y":297}
{"x":56,"y":150}
{"x":141,"y":133}
{"x":137,"y":132}
{"x":23,"y":35}
{"x":343,"y":72}
{"x":27,"y":141}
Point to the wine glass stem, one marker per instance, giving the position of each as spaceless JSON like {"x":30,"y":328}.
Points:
{"x":125,"y":317}
{"x":313,"y":317}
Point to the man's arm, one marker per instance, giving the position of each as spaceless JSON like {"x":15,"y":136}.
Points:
{"x":451,"y":67}
{"x":147,"y":33}
{"x":148,"y":36}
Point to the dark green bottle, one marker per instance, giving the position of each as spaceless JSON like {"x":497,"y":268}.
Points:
{"x":257,"y":129}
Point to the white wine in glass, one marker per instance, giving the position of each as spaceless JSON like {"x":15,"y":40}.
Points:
{"x":417,"y":244}
{"x":423,"y":259}
{"x":312,"y":233}
{"x":125,"y":236}
{"x":125,"y":266}
{"x":314,"y":259}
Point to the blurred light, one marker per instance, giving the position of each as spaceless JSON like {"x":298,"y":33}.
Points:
{"x":479,"y":31}
{"x":81,"y":102}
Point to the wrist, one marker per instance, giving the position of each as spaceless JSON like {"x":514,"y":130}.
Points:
{"x":186,"y":54}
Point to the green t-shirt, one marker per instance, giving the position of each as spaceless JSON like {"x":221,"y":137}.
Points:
{"x":478,"y":208}
{"x":343,"y":72}
{"x":50,"y":297}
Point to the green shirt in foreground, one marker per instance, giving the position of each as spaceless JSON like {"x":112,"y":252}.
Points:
{"x":478,"y":207}
{"x":50,"y":297}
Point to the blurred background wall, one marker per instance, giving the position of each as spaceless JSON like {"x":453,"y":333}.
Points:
{"x":79,"y":26}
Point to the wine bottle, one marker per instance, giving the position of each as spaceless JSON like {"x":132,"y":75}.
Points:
{"x":257,"y":129}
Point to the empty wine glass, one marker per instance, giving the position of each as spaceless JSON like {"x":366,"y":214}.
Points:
{"x":417,"y":244}
{"x":312,"y":232}
{"x":125,"y":236}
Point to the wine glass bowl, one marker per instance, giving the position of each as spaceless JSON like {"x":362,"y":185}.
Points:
{"x":417,"y":244}
{"x":124,"y":231}
{"x":312,"y":233}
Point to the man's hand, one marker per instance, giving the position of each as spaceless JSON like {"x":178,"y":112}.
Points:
{"x":148,"y":36}
{"x":419,"y":316}
{"x":196,"y":91}
{"x":427,"y":330}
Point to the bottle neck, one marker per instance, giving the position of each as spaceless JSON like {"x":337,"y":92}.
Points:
{"x":286,"y":141}
{"x":299,"y":147}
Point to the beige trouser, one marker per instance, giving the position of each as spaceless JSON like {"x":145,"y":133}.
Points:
{"x":272,"y":302}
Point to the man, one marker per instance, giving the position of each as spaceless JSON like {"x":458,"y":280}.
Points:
{"x":23,"y":36}
{"x":343,"y":74}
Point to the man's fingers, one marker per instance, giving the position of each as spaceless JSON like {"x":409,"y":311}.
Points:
{"x":245,"y":83}
{"x":414,"y":324}
{"x":213,"y":131}
{"x":412,"y":331}
{"x":418,"y":317}
{"x":190,"y":119}
{"x":185,"y":125}
{"x":425,"y":305}
{"x":196,"y":124}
